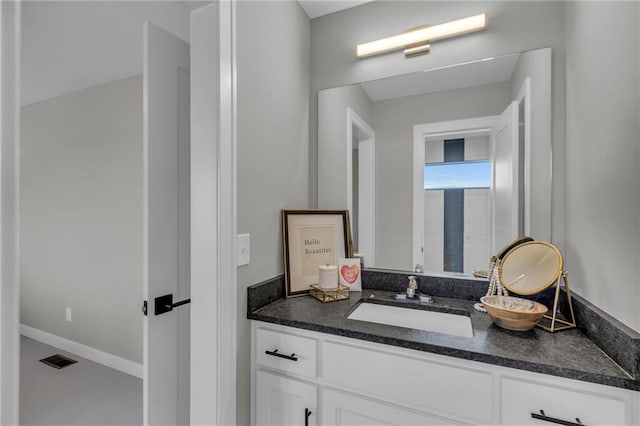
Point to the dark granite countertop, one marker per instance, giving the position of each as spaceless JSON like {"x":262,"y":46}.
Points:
{"x":570,"y":353}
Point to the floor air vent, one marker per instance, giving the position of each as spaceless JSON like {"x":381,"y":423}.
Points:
{"x":58,"y":361}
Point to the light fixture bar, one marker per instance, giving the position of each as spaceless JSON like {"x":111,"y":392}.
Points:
{"x":418,"y":36}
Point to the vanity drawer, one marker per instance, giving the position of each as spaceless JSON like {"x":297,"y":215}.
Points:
{"x":522,"y":398}
{"x":421,"y":384}
{"x":287,"y":352}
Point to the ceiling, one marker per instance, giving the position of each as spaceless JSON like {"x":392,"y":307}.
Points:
{"x":475,"y":73}
{"x":193,"y":4}
{"x":71,"y":45}
{"x":316,"y":8}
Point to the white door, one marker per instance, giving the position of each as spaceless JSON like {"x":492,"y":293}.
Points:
{"x":166,"y":227}
{"x":281,"y":401}
{"x":505,"y":155}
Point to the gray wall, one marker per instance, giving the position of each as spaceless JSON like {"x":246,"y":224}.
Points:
{"x":513,"y":27}
{"x":393,"y":122}
{"x":536,"y":65}
{"x":603,"y":202}
{"x":81,"y":217}
{"x":272,"y":143}
{"x":332,"y":150}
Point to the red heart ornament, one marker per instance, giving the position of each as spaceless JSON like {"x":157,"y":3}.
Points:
{"x":350,"y":273}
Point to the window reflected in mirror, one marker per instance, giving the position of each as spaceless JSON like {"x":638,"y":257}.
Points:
{"x":457,"y":178}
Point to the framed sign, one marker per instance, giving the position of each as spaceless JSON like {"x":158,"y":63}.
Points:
{"x":312,"y":238}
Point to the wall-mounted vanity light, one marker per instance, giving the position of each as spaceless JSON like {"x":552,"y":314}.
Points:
{"x":417,"y":40}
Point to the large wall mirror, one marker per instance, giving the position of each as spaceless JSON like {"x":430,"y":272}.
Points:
{"x":441,"y":167}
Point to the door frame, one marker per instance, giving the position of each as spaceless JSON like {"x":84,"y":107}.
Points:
{"x":213,"y":400}
{"x":524,"y":97}
{"x":466,"y":127}
{"x":213,"y":214}
{"x":366,"y":198}
{"x":10,"y":42}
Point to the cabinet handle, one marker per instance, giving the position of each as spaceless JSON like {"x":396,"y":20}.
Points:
{"x":291,"y":357}
{"x":546,"y":418}
{"x":307,"y":413}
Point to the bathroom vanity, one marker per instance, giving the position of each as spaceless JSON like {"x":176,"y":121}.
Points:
{"x":313,"y":365}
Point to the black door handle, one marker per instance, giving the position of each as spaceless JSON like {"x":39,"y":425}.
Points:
{"x":291,"y":357}
{"x":307,"y":413}
{"x":542,"y":416}
{"x":165,"y":304}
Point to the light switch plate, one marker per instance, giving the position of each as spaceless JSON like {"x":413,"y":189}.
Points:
{"x":243,"y":249}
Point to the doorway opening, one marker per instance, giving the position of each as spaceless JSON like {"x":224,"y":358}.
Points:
{"x":91,"y":99}
{"x":361,"y":185}
{"x":469,"y":190}
{"x":213,"y":145}
{"x":457,"y":195}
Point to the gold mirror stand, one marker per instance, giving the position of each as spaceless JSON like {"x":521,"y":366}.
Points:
{"x":552,"y":322}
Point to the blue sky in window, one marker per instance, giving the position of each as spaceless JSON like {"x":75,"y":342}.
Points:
{"x":466,"y":174}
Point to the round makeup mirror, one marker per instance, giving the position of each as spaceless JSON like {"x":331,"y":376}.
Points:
{"x":530,"y":267}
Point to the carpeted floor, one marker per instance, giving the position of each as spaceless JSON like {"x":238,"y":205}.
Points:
{"x":82,"y":394}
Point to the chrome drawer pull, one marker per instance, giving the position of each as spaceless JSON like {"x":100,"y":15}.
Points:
{"x":546,"y":418}
{"x":291,"y":357}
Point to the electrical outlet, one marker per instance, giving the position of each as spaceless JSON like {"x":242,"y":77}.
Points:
{"x":68,"y":314}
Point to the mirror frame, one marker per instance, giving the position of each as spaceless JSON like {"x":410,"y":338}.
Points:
{"x":519,"y":249}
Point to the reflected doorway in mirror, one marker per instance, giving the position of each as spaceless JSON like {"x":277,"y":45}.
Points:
{"x":457,"y":225}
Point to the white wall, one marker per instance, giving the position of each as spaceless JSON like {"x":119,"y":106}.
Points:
{"x":603,"y":202}
{"x":81,"y":217}
{"x":9,"y":273}
{"x":393,"y":122}
{"x":536,"y":65}
{"x":332,"y":134}
{"x":272,"y":144}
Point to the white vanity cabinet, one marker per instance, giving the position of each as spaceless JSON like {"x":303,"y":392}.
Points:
{"x":283,"y":401}
{"x":283,"y":393}
{"x":348,"y":382}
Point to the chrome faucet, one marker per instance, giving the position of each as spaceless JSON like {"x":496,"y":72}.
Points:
{"x":413,"y":286}
{"x":413,"y":292}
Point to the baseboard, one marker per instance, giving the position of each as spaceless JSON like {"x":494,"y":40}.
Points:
{"x":95,"y":355}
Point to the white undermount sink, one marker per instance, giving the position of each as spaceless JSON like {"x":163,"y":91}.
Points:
{"x":420,"y":319}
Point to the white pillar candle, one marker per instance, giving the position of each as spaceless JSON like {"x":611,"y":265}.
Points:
{"x":328,"y":276}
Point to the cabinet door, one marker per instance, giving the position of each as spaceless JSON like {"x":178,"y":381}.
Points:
{"x":281,"y":401}
{"x":342,"y":409}
{"x":410,"y":380}
{"x":527,"y":403}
